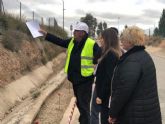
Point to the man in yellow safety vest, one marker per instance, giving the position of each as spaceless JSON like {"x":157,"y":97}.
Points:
{"x":82,"y":54}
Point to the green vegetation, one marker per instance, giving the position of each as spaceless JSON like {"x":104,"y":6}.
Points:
{"x":160,"y":30}
{"x":12,"y":40}
{"x":91,"y":22}
{"x":18,"y":47}
{"x":12,"y":22}
{"x":101,"y":27}
{"x":36,"y":94}
{"x":15,"y":31}
{"x":93,"y":25}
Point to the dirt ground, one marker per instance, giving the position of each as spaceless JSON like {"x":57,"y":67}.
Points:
{"x":54,"y":107}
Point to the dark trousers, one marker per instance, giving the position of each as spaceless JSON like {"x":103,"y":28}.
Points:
{"x":82,"y":93}
{"x":104,"y":114}
{"x":95,"y":109}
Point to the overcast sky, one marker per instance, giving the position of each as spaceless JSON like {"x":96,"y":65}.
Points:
{"x":118,"y":13}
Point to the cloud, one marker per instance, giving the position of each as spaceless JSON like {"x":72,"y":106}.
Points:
{"x":151,"y":13}
{"x":123,"y":19}
{"x":11,"y":4}
{"x":145,"y":17}
{"x":27,"y":4}
{"x":91,"y":1}
{"x":46,"y":13}
{"x":139,"y":2}
{"x":161,"y":1}
{"x":80,"y":12}
{"x":37,"y":2}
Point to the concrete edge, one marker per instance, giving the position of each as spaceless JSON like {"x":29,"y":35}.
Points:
{"x":71,"y":114}
{"x":20,"y":89}
{"x":30,"y":116}
{"x":160,"y":56}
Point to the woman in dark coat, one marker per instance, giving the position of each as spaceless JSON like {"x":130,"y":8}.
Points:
{"x":134,"y":97}
{"x":110,"y":55}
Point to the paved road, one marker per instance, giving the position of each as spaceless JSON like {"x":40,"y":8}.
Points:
{"x":160,"y":67}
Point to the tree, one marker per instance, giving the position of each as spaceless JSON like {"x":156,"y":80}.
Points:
{"x":104,"y":25}
{"x":91,"y":22}
{"x":156,"y":31}
{"x":162,"y":24}
{"x":126,"y":26}
{"x":160,"y":30}
{"x":99,"y":28}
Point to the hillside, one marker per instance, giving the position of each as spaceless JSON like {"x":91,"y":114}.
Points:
{"x":19,"y":52}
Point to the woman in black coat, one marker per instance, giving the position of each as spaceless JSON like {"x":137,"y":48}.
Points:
{"x":134,"y":97}
{"x":110,"y":56}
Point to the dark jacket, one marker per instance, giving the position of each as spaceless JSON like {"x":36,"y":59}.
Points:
{"x":74,"y":70}
{"x":134,"y":89}
{"x":104,"y":75}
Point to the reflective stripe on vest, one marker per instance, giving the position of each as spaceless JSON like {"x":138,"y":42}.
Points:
{"x":87,"y":67}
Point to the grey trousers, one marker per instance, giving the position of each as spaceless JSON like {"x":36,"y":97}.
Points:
{"x":95,"y":109}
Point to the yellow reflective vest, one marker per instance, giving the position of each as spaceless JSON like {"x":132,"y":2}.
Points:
{"x":87,"y":66}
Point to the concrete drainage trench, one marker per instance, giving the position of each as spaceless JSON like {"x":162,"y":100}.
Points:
{"x":39,"y":97}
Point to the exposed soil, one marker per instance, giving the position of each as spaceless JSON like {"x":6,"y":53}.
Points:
{"x":54,"y":107}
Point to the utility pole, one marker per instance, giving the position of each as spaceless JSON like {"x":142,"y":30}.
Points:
{"x":71,"y":28}
{"x":20,"y":10}
{"x":55,"y":23}
{"x":63,"y":14}
{"x":49,"y":22}
{"x":118,"y":18}
{"x":0,"y":6}
{"x":33,"y":15}
{"x":42,"y":21}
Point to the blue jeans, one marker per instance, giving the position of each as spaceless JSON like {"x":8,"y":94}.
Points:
{"x":95,"y":109}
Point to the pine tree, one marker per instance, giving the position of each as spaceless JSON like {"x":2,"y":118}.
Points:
{"x":104,"y":25}
{"x":91,"y":22}
{"x":162,"y":24}
{"x":156,"y":31}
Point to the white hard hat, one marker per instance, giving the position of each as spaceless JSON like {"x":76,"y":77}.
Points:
{"x":81,"y":26}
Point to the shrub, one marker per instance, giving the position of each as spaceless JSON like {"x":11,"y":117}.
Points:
{"x":155,"y":41}
{"x":51,"y":50}
{"x":12,"y":40}
{"x":35,"y":94}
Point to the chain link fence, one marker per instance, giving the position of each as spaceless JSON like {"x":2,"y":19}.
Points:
{"x":24,"y":13}
{"x":0,"y":28}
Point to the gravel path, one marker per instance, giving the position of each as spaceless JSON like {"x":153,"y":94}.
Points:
{"x":54,"y":107}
